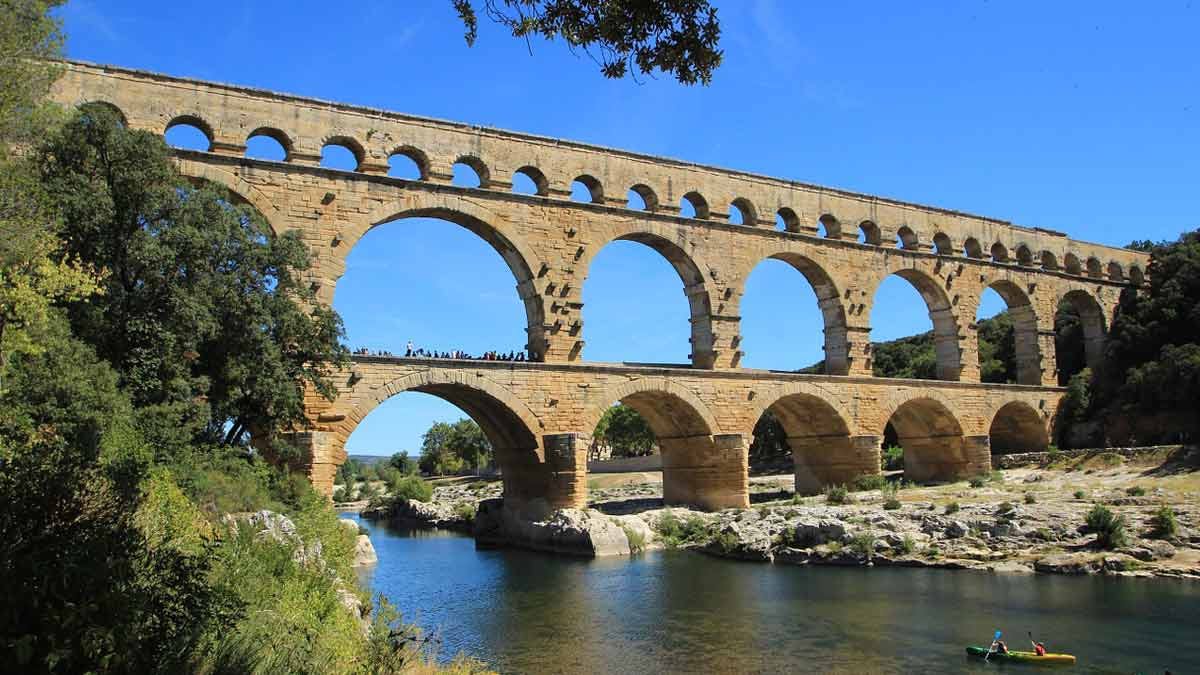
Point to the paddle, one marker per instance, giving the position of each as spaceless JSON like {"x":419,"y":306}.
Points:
{"x":995,"y":639}
{"x":1033,"y":642}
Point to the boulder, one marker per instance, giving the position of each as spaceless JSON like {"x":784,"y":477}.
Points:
{"x":571,"y":531}
{"x":816,"y":532}
{"x":364,"y":551}
{"x":1068,"y":563}
{"x":745,"y":541}
{"x":956,"y":529}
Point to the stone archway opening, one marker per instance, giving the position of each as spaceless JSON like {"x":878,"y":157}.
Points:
{"x":384,"y":424}
{"x":1007,"y":332}
{"x":1079,"y":330}
{"x":632,"y":310}
{"x":809,"y":433}
{"x":700,"y":467}
{"x":909,"y":343}
{"x":1017,"y":427}
{"x":435,"y":283}
{"x":787,"y":338}
{"x":933,"y":444}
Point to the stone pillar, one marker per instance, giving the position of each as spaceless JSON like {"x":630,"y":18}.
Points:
{"x":566,"y":462}
{"x":1027,"y":344}
{"x":858,"y":351}
{"x":727,"y":339}
{"x":320,"y":456}
{"x":945,"y":458}
{"x":228,"y":147}
{"x":533,"y":487}
{"x":709,"y":472}
{"x":950,"y":364}
{"x":820,"y":461}
{"x":1048,"y":348}
{"x":837,"y":345}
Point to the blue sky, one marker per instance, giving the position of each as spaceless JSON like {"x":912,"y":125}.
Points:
{"x":1081,"y":117}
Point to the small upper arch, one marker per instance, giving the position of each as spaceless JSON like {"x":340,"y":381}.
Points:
{"x":787,"y":220}
{"x":693,"y":205}
{"x":649,"y":199}
{"x":999,"y":253}
{"x":112,"y":109}
{"x":1115,"y":272}
{"x":274,"y":134}
{"x":1094,"y":268}
{"x":541,"y":186}
{"x":1071,"y":264}
{"x":190,"y":121}
{"x":476,"y":165}
{"x":591,"y":186}
{"x":972,"y":248}
{"x":413,"y":154}
{"x":906,"y":238}
{"x":347,"y":142}
{"x":869,"y":233}
{"x":833,"y":228}
{"x":1136,"y":276}
{"x":1049,"y":260}
{"x":942,"y":244}
{"x":746,"y":214}
{"x":1024,"y":255}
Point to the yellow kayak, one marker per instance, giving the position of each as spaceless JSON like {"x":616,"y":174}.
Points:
{"x":1023,"y":657}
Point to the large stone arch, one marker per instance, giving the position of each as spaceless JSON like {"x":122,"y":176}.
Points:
{"x":829,"y":301}
{"x":941,"y":313}
{"x":818,"y":428}
{"x":520,"y":258}
{"x":1027,"y":351}
{"x":1016,"y":426}
{"x":701,"y":467}
{"x":1092,"y":321}
{"x":692,"y":271}
{"x":514,"y":431}
{"x":239,"y":187}
{"x":939,"y":443}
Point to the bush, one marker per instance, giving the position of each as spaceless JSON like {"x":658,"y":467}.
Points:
{"x":976,"y":482}
{"x":342,"y":495}
{"x":413,"y":487}
{"x":893,"y":458}
{"x":907,"y":544}
{"x":1005,"y":508}
{"x":995,"y":476}
{"x":1080,"y":494}
{"x":1030,"y":498}
{"x":890,"y":501}
{"x":871,"y":482}
{"x":951,"y":508}
{"x":637,"y":541}
{"x":675,"y":532}
{"x":1165,"y":525}
{"x":863,"y":544}
{"x":465,"y":510}
{"x":726,"y":542}
{"x":1108,"y":527}
{"x":1136,"y":491}
{"x":837,"y":494}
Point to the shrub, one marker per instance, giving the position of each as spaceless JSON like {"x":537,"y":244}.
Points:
{"x":995,"y":476}
{"x":888,"y":492}
{"x":675,"y":532}
{"x":907,"y":544}
{"x":871,"y":482}
{"x":835,"y":547}
{"x":1053,"y":451}
{"x":1108,"y":527}
{"x":465,"y":510}
{"x":726,"y":542}
{"x":863,"y":544}
{"x":893,"y":458}
{"x":1164,"y":522}
{"x":342,"y":495}
{"x":976,"y":482}
{"x":413,"y":487}
{"x":1030,"y":498}
{"x":1005,"y":508}
{"x":1080,"y":494}
{"x":797,"y":499}
{"x":637,"y":541}
{"x":837,"y":494}
{"x":1043,"y":534}
{"x":952,"y":508}
{"x":1136,"y":491}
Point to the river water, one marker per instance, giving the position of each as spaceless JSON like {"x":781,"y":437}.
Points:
{"x":681,"y":612}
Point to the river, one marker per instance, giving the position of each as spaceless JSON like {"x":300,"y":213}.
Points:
{"x":675,"y":611}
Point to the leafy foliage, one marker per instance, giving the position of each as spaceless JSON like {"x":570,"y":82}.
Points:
{"x":453,"y":448}
{"x":201,"y":301}
{"x":770,"y":441}
{"x":625,"y":432}
{"x":678,"y":37}
{"x":1108,"y":527}
{"x":413,"y":487}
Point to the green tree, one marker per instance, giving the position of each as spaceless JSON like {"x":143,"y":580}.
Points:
{"x":403,"y":463}
{"x":770,"y":441}
{"x":678,"y":37}
{"x":469,"y":444}
{"x":625,"y":432}
{"x":451,"y":448}
{"x":203,"y":306}
{"x":29,"y":36}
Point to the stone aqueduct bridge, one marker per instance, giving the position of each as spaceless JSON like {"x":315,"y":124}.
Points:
{"x":539,"y":415}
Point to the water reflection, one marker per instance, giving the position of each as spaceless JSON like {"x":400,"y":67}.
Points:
{"x":681,"y":612}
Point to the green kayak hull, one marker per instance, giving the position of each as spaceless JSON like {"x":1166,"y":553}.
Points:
{"x":1022,"y":657}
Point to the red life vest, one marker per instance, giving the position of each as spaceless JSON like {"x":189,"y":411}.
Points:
{"x":1039,"y":648}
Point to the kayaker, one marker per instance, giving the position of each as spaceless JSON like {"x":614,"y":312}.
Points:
{"x":1001,"y":647}
{"x":1039,"y":649}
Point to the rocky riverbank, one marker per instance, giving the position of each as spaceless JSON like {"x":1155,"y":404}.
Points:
{"x":1024,"y":520}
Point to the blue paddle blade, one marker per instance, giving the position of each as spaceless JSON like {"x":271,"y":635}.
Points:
{"x":997,"y":636}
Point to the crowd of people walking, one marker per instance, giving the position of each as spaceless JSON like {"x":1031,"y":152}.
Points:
{"x":412,"y":352}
